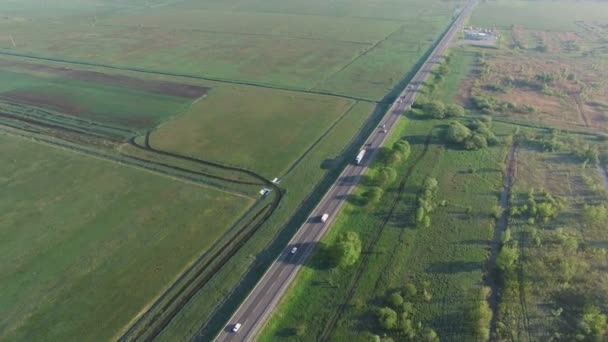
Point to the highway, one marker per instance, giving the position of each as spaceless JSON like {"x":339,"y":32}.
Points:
{"x":257,"y":307}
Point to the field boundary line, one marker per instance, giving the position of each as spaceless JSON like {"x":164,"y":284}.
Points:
{"x":111,"y":159}
{"x":356,"y":58}
{"x":190,"y":76}
{"x":268,"y":35}
{"x":322,"y":137}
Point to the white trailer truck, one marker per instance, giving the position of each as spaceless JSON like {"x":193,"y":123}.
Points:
{"x":360,"y":157}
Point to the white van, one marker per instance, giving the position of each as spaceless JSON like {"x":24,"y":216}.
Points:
{"x":236,"y":327}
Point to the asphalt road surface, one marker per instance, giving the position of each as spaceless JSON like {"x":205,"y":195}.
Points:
{"x":257,"y":307}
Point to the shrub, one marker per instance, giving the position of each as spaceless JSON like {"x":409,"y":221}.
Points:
{"x":396,"y":300}
{"x":435,"y":109}
{"x":454,"y":110}
{"x":506,"y":259}
{"x":387,"y":318}
{"x":346,"y":250}
{"x":385,"y":176}
{"x":592,"y":325}
{"x":410,"y":290}
{"x":373,"y":195}
{"x":458,"y":133}
{"x":497,"y":211}
{"x":480,"y":315}
{"x":402,"y":147}
{"x":596,"y":214}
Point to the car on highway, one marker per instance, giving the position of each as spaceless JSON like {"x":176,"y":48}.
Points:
{"x":294,"y":250}
{"x":324,"y":217}
{"x":236,"y":327}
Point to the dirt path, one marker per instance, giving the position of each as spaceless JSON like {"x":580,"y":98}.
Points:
{"x":501,"y":225}
{"x":580,"y":109}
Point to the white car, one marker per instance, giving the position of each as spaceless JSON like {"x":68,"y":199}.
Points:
{"x":236,"y":327}
{"x":324,"y":217}
{"x":294,"y":250}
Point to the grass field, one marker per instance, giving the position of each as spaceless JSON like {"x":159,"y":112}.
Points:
{"x":302,"y":46}
{"x":261,"y":129}
{"x":558,"y":270}
{"x":446,"y":260}
{"x":552,"y":258}
{"x":539,"y":15}
{"x":318,"y":166}
{"x":265,"y":69}
{"x":115,"y":100}
{"x":86,"y":244}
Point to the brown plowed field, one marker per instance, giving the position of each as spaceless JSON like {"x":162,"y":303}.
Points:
{"x":188,"y":91}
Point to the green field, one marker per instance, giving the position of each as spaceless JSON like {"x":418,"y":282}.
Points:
{"x":263,"y":130}
{"x":87,"y":244}
{"x":558,"y":15}
{"x":115,"y":100}
{"x":446,"y":259}
{"x":289,"y":86}
{"x":303,"y":46}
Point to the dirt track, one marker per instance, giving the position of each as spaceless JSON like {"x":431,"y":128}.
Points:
{"x":492,"y":275}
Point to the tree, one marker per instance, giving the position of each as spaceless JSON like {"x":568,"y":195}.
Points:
{"x":403,"y":147}
{"x":458,"y":133}
{"x":396,"y":300}
{"x":372,"y":195}
{"x":435,"y":109}
{"x":346,"y":250}
{"x":454,"y":111}
{"x":592,"y":325}
{"x":506,"y":259}
{"x":480,"y":315}
{"x":387,"y":318}
{"x":429,"y":335}
{"x":410,"y":290}
{"x":476,"y":142}
{"x":408,"y":328}
{"x":385,"y":176}
{"x":595,"y":214}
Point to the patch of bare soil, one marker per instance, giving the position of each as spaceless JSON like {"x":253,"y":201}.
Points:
{"x":66,"y":107}
{"x":550,"y":109}
{"x":38,"y":99}
{"x":151,"y":86}
{"x":597,"y":116}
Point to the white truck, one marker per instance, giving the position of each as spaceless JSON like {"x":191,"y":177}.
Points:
{"x":360,"y":157}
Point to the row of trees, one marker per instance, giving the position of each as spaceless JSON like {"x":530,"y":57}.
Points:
{"x":385,"y":173}
{"x":427,"y":202}
{"x":474,"y":136}
{"x":539,"y":207}
{"x":438,"y":110}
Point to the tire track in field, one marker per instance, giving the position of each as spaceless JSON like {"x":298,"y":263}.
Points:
{"x":152,"y":322}
{"x":331,"y":324}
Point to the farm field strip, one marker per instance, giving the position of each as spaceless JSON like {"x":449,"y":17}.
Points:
{"x":99,"y":261}
{"x":188,"y":175}
{"x":180,"y":75}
